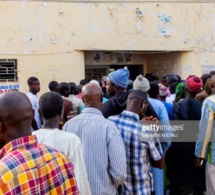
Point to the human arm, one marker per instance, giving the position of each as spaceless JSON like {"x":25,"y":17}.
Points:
{"x":205,"y":130}
{"x":117,"y":156}
{"x":76,"y":156}
{"x":156,"y":153}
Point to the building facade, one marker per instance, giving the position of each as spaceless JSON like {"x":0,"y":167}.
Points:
{"x":67,"y":41}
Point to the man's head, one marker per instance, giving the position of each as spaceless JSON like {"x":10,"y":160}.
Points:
{"x":51,"y":105}
{"x":53,"y":86}
{"x":154,"y":90}
{"x":193,"y":85}
{"x":170,"y":78}
{"x":212,"y":84}
{"x":34,"y":85}
{"x":64,"y":89}
{"x":73,"y":88}
{"x":84,"y":82}
{"x":141,"y":83}
{"x":16,"y":115}
{"x":151,"y":77}
{"x":92,"y":95}
{"x":137,"y":102}
{"x":117,"y":81}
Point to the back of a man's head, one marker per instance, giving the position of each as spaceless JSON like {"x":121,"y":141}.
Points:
{"x":53,"y":86}
{"x":73,"y":88}
{"x":16,"y":115}
{"x":92,"y":95}
{"x":50,"y":104}
{"x":64,"y":89}
{"x":154,"y":90}
{"x":135,"y":101}
{"x":83,"y":82}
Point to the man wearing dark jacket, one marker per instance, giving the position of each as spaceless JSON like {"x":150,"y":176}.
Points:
{"x":117,"y":83}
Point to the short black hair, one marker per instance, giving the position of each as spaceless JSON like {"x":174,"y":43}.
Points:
{"x":154,"y":90}
{"x":63,"y":87}
{"x":50,"y":104}
{"x":31,"y":80}
{"x":151,"y":77}
{"x":73,"y":88}
{"x":53,"y":85}
{"x":172,"y":87}
{"x":205,"y":77}
{"x":84,"y":82}
{"x":138,"y":95}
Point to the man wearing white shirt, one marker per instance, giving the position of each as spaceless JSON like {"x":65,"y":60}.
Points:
{"x":34,"y":88}
{"x":51,"y":106}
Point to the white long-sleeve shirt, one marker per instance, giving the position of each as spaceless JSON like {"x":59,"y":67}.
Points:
{"x":70,"y":145}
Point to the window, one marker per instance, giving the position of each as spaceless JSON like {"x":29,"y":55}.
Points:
{"x":8,"y":70}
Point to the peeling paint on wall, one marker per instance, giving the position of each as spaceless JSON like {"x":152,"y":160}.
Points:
{"x":53,"y":71}
{"x":139,"y":13}
{"x":206,"y":69}
{"x":139,"y":26}
{"x":164,"y":25}
{"x":45,"y":4}
{"x":53,"y":39}
{"x":186,"y":69}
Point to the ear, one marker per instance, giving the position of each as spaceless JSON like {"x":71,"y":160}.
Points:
{"x":116,"y":88}
{"x":144,"y":107}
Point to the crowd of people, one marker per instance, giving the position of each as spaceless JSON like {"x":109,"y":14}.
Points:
{"x":95,"y":138}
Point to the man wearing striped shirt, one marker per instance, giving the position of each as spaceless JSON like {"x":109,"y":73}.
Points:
{"x":103,"y":147}
{"x":27,"y":167}
{"x":140,"y":148}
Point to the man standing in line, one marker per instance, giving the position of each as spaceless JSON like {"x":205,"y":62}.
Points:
{"x":68,"y":107}
{"x":27,"y":167}
{"x":51,"y":109}
{"x":103,"y":147}
{"x":117,"y":83}
{"x":139,"y":148}
{"x":34,"y":88}
{"x":205,"y":145}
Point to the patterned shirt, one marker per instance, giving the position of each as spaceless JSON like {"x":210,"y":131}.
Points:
{"x":103,"y":148}
{"x":205,"y":145}
{"x":139,"y":150}
{"x":27,"y":167}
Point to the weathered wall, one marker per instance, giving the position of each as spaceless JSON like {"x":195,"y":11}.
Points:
{"x":46,"y":37}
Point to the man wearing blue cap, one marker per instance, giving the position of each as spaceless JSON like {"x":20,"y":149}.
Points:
{"x":117,"y":83}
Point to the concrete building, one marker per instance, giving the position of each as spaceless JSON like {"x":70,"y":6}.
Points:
{"x":64,"y":40}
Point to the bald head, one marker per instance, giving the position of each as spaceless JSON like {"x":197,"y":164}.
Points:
{"x":92,"y":95}
{"x":16,"y":115}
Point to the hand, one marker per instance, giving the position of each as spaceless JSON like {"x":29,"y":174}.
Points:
{"x":150,"y":120}
{"x":199,"y":161}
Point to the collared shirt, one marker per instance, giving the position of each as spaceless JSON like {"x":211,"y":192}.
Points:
{"x":27,"y":167}
{"x":139,"y":177}
{"x":69,"y":144}
{"x":103,"y":148}
{"x":205,"y":145}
